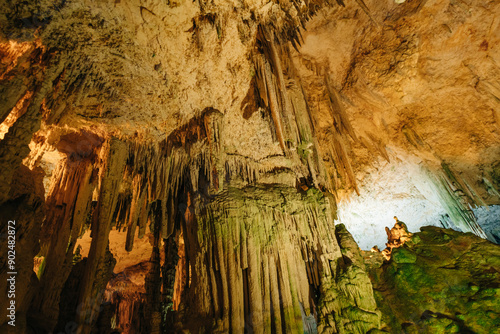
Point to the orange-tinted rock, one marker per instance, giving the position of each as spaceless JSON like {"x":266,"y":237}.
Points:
{"x":216,"y":136}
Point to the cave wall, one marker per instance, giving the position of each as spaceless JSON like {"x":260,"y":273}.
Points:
{"x":226,"y":133}
{"x":409,"y":77}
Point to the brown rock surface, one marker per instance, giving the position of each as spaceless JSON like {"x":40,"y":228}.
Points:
{"x":25,"y":209}
{"x":204,"y":145}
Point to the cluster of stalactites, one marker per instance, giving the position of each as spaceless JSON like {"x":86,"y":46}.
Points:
{"x":155,"y":173}
{"x":457,"y":195}
{"x":278,"y":90}
{"x":256,"y":256}
{"x":459,"y":198}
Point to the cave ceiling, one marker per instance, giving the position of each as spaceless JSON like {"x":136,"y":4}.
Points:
{"x":153,"y":127}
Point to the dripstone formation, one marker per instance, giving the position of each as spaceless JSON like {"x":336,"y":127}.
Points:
{"x":177,"y":166}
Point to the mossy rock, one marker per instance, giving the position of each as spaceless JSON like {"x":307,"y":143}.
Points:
{"x":403,"y":255}
{"x":447,"y":282}
{"x":440,"y":325}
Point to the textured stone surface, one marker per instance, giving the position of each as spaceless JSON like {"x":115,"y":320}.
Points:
{"x":417,"y":91}
{"x":441,"y":281}
{"x":217,"y":137}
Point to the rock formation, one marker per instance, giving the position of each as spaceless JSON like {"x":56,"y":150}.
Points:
{"x":177,"y":166}
{"x":440,"y":281}
{"x":396,"y":237}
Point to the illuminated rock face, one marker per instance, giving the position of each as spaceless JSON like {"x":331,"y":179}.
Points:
{"x":411,"y":192}
{"x":202,"y":148}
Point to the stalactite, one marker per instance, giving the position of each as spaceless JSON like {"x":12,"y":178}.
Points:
{"x":184,"y":188}
{"x":16,"y":112}
{"x":455,"y":193}
{"x":168,"y":272}
{"x":341,"y":121}
{"x":153,"y":284}
{"x":264,"y":71}
{"x":341,"y":159}
{"x":114,"y":155}
{"x":341,"y":129}
{"x":137,"y":206}
{"x":68,"y":204}
{"x":365,"y":9}
{"x":334,"y":143}
{"x":253,"y":226}
{"x":182,"y":185}
{"x":278,"y":90}
{"x":458,"y":201}
{"x":63,"y":221}
{"x":249,"y":243}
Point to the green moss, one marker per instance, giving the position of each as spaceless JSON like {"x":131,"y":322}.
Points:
{"x":403,"y":255}
{"x":445,"y":283}
{"x":441,"y":326}
{"x":415,"y":239}
{"x":304,"y":149}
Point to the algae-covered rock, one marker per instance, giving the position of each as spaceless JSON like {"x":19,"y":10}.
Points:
{"x":403,"y":255}
{"x":447,"y":282}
